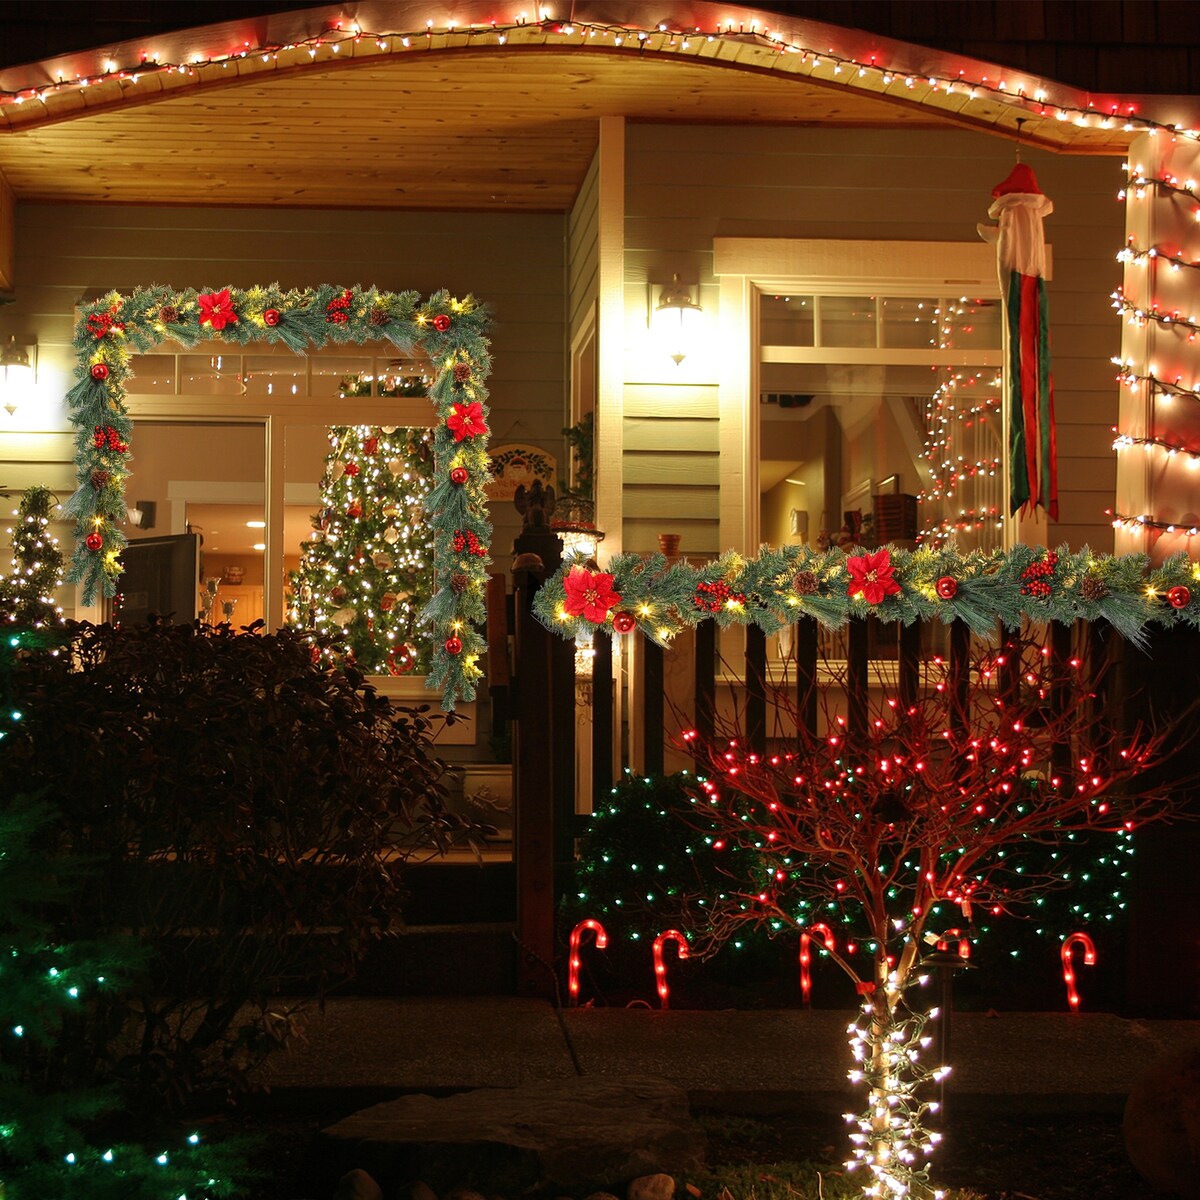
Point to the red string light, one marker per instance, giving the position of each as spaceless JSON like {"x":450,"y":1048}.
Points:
{"x":573,"y":959}
{"x":660,"y":970}
{"x":1089,"y":957}
{"x":806,"y":956}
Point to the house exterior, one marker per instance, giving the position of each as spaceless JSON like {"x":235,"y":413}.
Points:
{"x":567,"y":168}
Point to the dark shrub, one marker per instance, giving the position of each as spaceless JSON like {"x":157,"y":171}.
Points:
{"x":248,"y":815}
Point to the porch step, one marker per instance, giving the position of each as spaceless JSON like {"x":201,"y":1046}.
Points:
{"x":440,"y":960}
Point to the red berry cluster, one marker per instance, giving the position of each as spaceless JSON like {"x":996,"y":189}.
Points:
{"x":1036,"y":574}
{"x":107,"y":438}
{"x":711,"y":597}
{"x":337,"y":311}
{"x":465,"y":540}
{"x":100,"y":323}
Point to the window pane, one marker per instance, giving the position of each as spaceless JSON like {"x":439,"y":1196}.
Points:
{"x":848,"y":321}
{"x":210,"y":374}
{"x":786,"y":320}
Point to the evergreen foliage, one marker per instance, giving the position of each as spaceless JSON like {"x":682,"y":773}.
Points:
{"x":27,"y":592}
{"x":368,"y":568}
{"x":55,"y":1128}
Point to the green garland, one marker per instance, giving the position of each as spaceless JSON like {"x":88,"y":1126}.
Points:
{"x":784,"y":584}
{"x":451,"y":332}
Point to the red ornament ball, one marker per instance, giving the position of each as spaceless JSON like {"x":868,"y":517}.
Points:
{"x":93,"y":541}
{"x":1179,"y":596}
{"x":946,"y":587}
{"x":624,"y":622}
{"x":351,"y":468}
{"x":453,"y":645}
{"x":459,"y":475}
{"x":441,"y":322}
{"x":100,"y":371}
{"x":271,"y":317}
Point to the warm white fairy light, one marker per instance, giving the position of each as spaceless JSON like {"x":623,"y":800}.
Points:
{"x":890,"y":1141}
{"x":1030,"y":99}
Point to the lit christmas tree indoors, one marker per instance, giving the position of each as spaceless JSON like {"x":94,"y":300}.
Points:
{"x":367,"y":569}
{"x":36,"y":573}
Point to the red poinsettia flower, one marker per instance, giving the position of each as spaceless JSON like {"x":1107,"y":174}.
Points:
{"x":871,"y":577}
{"x":466,"y":420}
{"x":216,"y":309}
{"x":589,"y":594}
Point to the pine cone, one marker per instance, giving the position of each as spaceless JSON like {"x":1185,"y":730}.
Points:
{"x":100,"y":480}
{"x":805,"y":583}
{"x":462,"y":372}
{"x":459,"y":583}
{"x":168,"y":314}
{"x":378,"y":317}
{"x":1093,"y":588}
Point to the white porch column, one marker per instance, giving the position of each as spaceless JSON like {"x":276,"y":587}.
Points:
{"x":1152,"y":484}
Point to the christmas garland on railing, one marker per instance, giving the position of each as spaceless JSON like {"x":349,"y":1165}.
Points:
{"x":451,"y":332}
{"x":784,"y":584}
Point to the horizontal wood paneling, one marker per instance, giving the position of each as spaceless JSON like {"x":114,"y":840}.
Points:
{"x":658,"y":400}
{"x":670,"y":469}
{"x":583,"y":233}
{"x":651,"y":433}
{"x":675,"y":502}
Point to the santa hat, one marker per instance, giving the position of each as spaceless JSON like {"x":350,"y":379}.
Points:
{"x":1021,"y":179}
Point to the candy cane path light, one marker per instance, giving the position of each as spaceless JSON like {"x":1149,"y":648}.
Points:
{"x":660,"y":971}
{"x":1089,"y":957}
{"x":806,"y":956}
{"x":964,"y":943}
{"x":573,"y":959}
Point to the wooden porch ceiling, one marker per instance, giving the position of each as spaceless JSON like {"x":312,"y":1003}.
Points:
{"x":461,"y":122}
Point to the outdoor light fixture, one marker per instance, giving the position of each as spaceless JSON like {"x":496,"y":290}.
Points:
{"x":142,"y":514}
{"x":579,"y":540}
{"x":16,"y":369}
{"x":676,"y":319}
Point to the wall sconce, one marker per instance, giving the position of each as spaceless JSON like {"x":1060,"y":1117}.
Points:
{"x":17,"y":372}
{"x":142,"y":514}
{"x":676,"y":319}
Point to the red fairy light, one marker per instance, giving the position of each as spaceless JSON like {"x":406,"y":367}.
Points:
{"x":1089,"y":957}
{"x":660,"y":970}
{"x":964,"y":943}
{"x":573,"y":961}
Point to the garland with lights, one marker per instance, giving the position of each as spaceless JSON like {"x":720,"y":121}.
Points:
{"x":773,"y":47}
{"x":784,"y":584}
{"x":1139,"y":181}
{"x":449,"y":331}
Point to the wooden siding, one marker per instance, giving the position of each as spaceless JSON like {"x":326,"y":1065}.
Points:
{"x":7,"y":206}
{"x":583,"y":252}
{"x":512,"y":262}
{"x":687,"y":185}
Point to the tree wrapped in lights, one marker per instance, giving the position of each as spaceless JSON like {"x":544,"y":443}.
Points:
{"x":27,"y":594}
{"x":934,"y":805}
{"x":368,"y":567}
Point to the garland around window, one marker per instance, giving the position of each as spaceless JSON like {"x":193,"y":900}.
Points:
{"x":450,"y":331}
